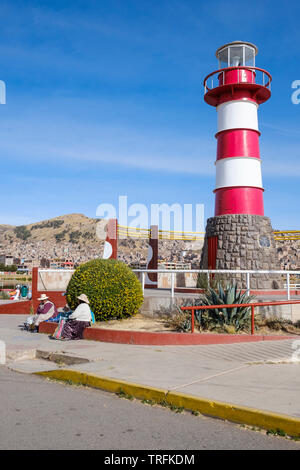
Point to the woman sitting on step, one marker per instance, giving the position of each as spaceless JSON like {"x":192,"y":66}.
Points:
{"x":45,"y":310}
{"x":78,"y":320}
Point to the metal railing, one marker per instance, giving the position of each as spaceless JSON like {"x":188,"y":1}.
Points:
{"x":258,"y":77}
{"x":284,"y":235}
{"x":137,"y":232}
{"x":173,"y":272}
{"x":208,"y":272}
{"x":251,"y":305}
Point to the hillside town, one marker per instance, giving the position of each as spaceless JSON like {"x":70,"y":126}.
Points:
{"x":68,"y":241}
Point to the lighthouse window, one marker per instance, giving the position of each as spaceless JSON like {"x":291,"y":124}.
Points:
{"x":249,"y":56}
{"x":236,"y":56}
{"x":223,"y":58}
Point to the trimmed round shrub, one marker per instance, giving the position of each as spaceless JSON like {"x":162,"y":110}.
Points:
{"x":112,"y":289}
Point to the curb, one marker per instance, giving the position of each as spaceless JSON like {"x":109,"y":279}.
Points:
{"x":216,"y":409}
{"x":146,"y":338}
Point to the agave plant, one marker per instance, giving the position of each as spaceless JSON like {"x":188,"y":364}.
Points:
{"x":239,"y":317}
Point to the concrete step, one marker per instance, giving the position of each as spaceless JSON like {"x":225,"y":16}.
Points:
{"x":35,"y":360}
{"x":61,"y":357}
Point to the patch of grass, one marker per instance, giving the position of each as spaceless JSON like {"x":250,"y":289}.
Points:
{"x":66,"y":382}
{"x":274,"y":323}
{"x":230,"y":329}
{"x":148,"y":402}
{"x":177,"y":409}
{"x":165,"y":404}
{"x":70,"y":382}
{"x":123,"y":394}
{"x":180,"y":322}
{"x":276,"y":432}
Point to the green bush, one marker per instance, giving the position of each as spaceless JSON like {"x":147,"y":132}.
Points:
{"x":112,"y":289}
{"x":181,"y":322}
{"x":213,"y":281}
{"x":4,"y":295}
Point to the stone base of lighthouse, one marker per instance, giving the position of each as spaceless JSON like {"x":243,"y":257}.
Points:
{"x":241,"y":242}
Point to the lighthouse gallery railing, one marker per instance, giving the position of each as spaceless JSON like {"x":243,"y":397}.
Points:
{"x":258,"y":77}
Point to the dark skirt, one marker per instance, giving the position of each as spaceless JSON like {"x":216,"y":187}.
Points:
{"x":73,"y":329}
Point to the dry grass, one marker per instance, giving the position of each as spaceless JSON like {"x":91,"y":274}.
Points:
{"x":271,"y":326}
{"x":136,"y":323}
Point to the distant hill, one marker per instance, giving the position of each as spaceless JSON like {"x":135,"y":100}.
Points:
{"x":75,"y":228}
{"x":4,"y":227}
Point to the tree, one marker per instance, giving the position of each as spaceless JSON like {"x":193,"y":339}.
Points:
{"x":13,"y":268}
{"x":22,"y":232}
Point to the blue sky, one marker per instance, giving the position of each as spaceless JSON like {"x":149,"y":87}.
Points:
{"x":105,"y":98}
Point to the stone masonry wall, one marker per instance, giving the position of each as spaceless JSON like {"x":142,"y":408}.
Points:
{"x":244,"y":242}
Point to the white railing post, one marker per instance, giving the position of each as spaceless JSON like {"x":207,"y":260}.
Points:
{"x":172,"y":285}
{"x":143,"y":281}
{"x":208,"y":280}
{"x":248,"y":283}
{"x":288,"y":286}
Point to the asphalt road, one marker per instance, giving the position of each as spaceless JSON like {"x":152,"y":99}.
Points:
{"x":39,"y":414}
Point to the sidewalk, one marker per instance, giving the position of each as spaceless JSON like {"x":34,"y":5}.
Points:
{"x":257,"y":375}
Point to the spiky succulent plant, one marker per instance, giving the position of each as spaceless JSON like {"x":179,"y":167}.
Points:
{"x":237,"y":316}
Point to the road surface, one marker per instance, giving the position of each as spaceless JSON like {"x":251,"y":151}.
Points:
{"x":39,"y":414}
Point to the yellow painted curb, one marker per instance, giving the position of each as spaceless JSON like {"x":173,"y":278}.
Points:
{"x":227,"y":411}
{"x":237,"y":413}
{"x":110,"y":385}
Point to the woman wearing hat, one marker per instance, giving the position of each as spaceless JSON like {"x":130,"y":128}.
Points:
{"x":45,"y":310}
{"x":78,"y":320}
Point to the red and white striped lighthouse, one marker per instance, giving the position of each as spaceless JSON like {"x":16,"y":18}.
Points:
{"x":239,"y":236}
{"x":241,"y":88}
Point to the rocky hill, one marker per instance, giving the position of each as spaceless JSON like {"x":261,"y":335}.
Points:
{"x":74,"y":228}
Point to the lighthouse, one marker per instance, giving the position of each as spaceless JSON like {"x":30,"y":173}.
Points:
{"x":239,"y":236}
